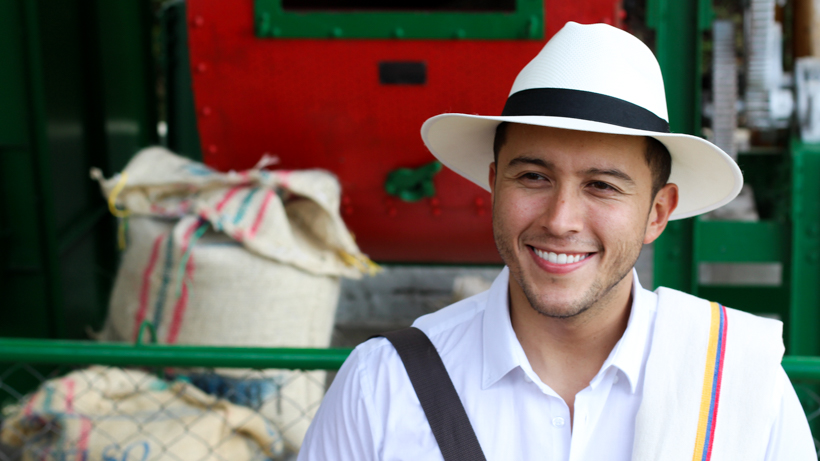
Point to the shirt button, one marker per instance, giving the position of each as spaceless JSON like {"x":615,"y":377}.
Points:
{"x":558,"y":421}
{"x":615,"y":381}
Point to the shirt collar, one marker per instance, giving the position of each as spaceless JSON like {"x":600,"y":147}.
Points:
{"x":500,"y":342}
{"x":629,"y":353}
{"x":503,"y":353}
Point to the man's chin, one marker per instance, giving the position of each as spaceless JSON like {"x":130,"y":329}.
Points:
{"x":559,"y":311}
{"x":564,"y":303}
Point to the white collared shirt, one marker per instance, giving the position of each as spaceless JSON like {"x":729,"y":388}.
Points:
{"x":371,"y":411}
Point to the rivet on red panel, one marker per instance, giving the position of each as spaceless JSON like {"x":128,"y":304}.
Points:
{"x":436,"y":211}
{"x":212,"y":149}
{"x":392,"y":212}
{"x":348,"y":210}
{"x":199,"y":21}
{"x":206,"y":111}
{"x":201,"y":67}
{"x":434,"y":202}
{"x":345,"y":200}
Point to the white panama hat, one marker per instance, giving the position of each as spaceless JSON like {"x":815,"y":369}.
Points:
{"x":591,"y":78}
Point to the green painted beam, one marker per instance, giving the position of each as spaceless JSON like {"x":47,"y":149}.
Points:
{"x":678,"y":29}
{"x":741,"y":242}
{"x":526,"y":22}
{"x":86,"y":353}
{"x":41,"y":161}
{"x":802,"y":368}
{"x":805,"y":265}
{"x":35,"y":351}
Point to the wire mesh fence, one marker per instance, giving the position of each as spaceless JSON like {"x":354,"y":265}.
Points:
{"x":80,"y":401}
{"x":112,"y":413}
{"x":115,"y":402}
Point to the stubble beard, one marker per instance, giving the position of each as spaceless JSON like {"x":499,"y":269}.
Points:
{"x":597,"y":291}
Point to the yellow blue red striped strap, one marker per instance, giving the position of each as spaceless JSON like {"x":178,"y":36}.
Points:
{"x":712,"y":377}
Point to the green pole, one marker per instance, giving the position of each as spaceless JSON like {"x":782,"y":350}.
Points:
{"x":150,"y":355}
{"x":678,"y":29}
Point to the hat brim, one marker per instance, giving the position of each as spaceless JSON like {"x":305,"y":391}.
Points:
{"x":707,"y":178}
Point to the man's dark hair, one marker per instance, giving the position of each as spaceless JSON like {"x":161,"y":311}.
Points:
{"x":656,"y":155}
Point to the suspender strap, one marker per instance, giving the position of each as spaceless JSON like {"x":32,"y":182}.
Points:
{"x":439,"y":399}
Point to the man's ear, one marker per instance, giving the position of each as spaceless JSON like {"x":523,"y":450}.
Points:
{"x":492,"y":177}
{"x":664,"y":204}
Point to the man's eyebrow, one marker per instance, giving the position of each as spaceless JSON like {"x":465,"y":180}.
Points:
{"x":530,"y":161}
{"x":609,"y":172}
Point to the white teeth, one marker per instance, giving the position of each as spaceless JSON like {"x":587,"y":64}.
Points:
{"x":559,"y":258}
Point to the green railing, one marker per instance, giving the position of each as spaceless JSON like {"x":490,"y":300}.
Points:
{"x":150,"y":355}
{"x":806,"y":369}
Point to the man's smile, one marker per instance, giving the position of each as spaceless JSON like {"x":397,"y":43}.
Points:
{"x":559,"y":263}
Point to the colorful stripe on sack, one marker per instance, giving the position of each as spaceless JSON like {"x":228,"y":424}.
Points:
{"x":713,"y":376}
{"x":227,"y":197}
{"x":47,"y":401}
{"x":259,"y":216}
{"x":85,"y":424}
{"x":243,"y":207}
{"x":186,"y":275}
{"x":146,"y":286}
{"x":69,"y":395}
{"x":159,"y":305}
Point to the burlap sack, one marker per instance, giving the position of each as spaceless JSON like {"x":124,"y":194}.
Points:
{"x":237,"y":259}
{"x":110,"y":413}
{"x":222,"y":295}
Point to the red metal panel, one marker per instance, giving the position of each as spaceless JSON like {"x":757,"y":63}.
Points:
{"x":319,"y":104}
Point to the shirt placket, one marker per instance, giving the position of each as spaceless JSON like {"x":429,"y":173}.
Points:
{"x":561,"y":428}
{"x":588,"y":406}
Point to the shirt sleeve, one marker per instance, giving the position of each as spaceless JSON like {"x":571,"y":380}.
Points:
{"x":341,"y":429}
{"x":791,"y":438}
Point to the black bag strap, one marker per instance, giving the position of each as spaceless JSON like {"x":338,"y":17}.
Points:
{"x":439,"y":399}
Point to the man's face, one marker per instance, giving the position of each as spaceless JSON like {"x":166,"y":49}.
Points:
{"x":571,"y":211}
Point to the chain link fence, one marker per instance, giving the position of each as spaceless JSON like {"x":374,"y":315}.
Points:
{"x":81,"y":401}
{"x":113,"y":413}
{"x":113,"y":402}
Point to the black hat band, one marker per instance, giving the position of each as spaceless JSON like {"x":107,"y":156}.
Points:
{"x":583,"y":105}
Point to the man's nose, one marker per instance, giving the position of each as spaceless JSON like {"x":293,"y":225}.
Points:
{"x":563,"y":213}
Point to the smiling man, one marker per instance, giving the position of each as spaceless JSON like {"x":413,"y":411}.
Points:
{"x":567,"y":357}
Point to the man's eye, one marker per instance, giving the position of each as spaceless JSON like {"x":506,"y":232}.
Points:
{"x":600,"y":185}
{"x":532,"y":177}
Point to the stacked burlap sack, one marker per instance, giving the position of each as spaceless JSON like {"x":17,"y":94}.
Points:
{"x":111,"y":414}
{"x":249,"y":258}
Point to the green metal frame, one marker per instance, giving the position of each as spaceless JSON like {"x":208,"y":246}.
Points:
{"x":77,"y":89}
{"x":35,"y":351}
{"x":805,"y":246}
{"x":679,"y":27}
{"x":526,"y":22}
{"x":30,"y":266}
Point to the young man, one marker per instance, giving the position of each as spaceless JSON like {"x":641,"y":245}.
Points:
{"x":567,"y":357}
